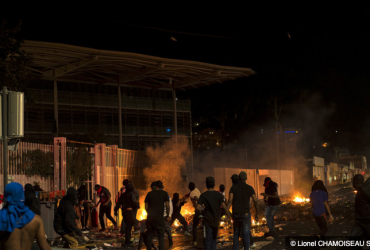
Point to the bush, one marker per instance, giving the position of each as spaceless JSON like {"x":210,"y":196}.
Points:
{"x":79,"y":166}
{"x":38,"y":163}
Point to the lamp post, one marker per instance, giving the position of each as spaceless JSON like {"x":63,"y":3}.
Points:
{"x":15,"y":112}
{"x":4,"y":118}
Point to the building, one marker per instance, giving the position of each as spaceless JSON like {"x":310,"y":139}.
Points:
{"x":128,"y":97}
{"x":356,"y":162}
{"x":207,"y":139}
{"x":147,"y":115}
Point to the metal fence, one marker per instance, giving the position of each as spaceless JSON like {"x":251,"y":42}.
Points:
{"x":113,"y":165}
{"x":17,"y":165}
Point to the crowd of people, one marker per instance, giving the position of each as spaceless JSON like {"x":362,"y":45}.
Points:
{"x":21,"y":224}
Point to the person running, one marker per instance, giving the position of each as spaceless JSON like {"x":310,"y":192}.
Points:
{"x":65,"y":220}
{"x":211,"y":200}
{"x":319,"y":201}
{"x":176,"y":215}
{"x":239,"y":198}
{"x":106,"y":206}
{"x":83,"y":206}
{"x":362,"y":207}
{"x":19,"y":226}
{"x":154,"y":206}
{"x":194,"y":196}
{"x":126,"y":203}
{"x":31,"y":200}
{"x":272,"y":202}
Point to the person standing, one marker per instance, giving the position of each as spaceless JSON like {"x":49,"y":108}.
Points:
{"x":136,"y":221}
{"x":31,"y":200}
{"x":19,"y":226}
{"x":154,"y":206}
{"x":222,"y":190}
{"x":105,"y":207}
{"x":239,"y":198}
{"x":194,"y":196}
{"x":167,"y":213}
{"x":211,"y":201}
{"x":116,"y":207}
{"x":126,"y":203}
{"x":83,"y":206}
{"x":272,"y":202}
{"x":64,"y":220}
{"x":319,"y":201}
{"x":362,"y":207}
{"x":177,"y":213}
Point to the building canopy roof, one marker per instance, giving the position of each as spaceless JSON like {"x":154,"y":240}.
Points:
{"x":79,"y":64}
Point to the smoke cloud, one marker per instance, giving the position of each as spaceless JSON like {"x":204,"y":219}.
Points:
{"x":166,"y":163}
{"x":257,"y":147}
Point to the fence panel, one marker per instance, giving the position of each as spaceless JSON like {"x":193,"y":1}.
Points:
{"x":17,"y":165}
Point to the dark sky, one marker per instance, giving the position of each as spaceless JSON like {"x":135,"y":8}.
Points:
{"x":298,"y":51}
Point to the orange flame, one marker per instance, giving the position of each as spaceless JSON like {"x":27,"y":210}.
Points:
{"x":299,"y":199}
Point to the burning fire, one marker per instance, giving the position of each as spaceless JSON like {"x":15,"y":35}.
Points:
{"x":355,"y":191}
{"x":186,"y":211}
{"x":297,"y":198}
{"x":141,"y":214}
{"x":258,"y":223}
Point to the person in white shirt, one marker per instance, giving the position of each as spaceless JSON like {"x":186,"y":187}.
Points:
{"x":194,"y":197}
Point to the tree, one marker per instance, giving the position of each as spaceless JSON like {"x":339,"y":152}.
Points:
{"x":79,"y":166}
{"x":14,"y":61}
{"x":39,"y":163}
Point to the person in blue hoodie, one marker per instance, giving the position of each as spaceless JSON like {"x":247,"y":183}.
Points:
{"x":19,"y":226}
{"x":320,"y":206}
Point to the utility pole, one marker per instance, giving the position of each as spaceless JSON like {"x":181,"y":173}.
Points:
{"x":12,"y":122}
{"x":246,"y":156}
{"x":277,"y":116}
{"x":4,"y":117}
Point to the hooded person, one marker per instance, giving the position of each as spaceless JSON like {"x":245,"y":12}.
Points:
{"x":272,"y":202}
{"x":126,"y":203}
{"x":19,"y":226}
{"x":38,"y":188}
{"x":31,"y":200}
{"x":64,"y":220}
{"x":83,"y":206}
{"x":116,"y":207}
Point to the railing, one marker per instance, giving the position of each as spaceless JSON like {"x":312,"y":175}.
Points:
{"x":17,"y":165}
{"x":111,"y":101}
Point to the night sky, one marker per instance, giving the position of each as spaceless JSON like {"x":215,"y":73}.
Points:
{"x":310,"y":57}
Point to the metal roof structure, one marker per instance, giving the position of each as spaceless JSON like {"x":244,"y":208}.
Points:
{"x":64,"y":62}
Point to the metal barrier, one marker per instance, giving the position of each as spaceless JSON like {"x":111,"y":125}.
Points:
{"x":17,"y":166}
